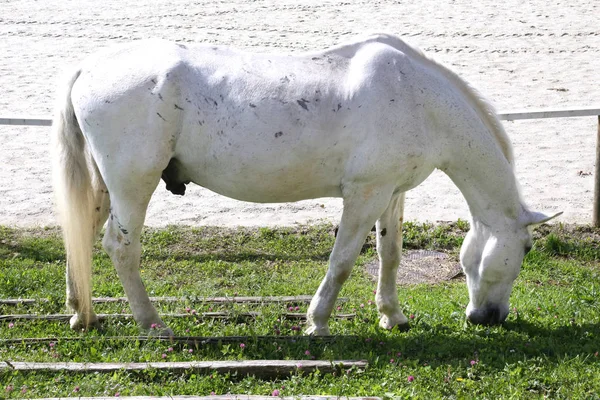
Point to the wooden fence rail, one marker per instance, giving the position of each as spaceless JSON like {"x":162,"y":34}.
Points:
{"x":504,"y":115}
{"x":507,"y":116}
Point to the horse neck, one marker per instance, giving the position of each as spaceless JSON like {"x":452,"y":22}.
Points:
{"x":473,"y":148}
{"x":479,"y":168}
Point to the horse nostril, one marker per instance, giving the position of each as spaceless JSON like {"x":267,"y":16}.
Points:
{"x":493,"y":316}
{"x":477,"y":318}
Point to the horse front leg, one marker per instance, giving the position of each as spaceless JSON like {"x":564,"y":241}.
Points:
{"x":362,"y":207}
{"x":389,"y":249}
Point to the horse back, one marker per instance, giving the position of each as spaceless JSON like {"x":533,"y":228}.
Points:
{"x":306,"y":123}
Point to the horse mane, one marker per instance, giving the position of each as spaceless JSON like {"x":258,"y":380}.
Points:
{"x":480,"y":104}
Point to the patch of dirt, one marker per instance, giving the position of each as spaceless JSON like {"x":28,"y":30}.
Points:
{"x":572,"y":231}
{"x":422,"y":266}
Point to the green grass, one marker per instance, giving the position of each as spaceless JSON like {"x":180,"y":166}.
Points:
{"x":548,"y":346}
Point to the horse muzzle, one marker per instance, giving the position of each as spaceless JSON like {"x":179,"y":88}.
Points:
{"x":490,"y":315}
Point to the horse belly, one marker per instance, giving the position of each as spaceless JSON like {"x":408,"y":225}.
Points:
{"x":285,"y":142}
{"x":267,"y":175}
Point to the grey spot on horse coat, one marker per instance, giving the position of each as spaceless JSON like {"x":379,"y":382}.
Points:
{"x":174,"y":178}
{"x":277,"y":134}
{"x":252,"y":105}
{"x":182,"y":46}
{"x":285,"y":79}
{"x":160,"y":96}
{"x":302,"y":103}
{"x":178,"y":108}
{"x":161,"y":117}
{"x":383,"y":232}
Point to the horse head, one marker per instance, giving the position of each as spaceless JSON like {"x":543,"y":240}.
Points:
{"x":491,"y":257}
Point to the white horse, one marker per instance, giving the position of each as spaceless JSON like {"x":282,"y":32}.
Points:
{"x":366,"y":121}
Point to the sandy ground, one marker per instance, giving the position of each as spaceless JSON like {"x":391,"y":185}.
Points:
{"x":522,"y":55}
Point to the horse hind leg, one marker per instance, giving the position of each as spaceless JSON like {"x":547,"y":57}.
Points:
{"x":129,"y":202}
{"x":389,"y":249}
{"x":362,"y":207}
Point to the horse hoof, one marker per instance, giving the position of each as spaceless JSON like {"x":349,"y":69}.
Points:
{"x":314,"y":331}
{"x":400,"y":323}
{"x":166,"y":332}
{"x":79,"y":323}
{"x":160,"y":332}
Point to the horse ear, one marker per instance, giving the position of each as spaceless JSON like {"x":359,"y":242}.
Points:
{"x":532,"y":218}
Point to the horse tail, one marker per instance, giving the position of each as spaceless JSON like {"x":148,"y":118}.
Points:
{"x":74,"y":200}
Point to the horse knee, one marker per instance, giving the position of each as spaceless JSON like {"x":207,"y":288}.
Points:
{"x":340,"y":271}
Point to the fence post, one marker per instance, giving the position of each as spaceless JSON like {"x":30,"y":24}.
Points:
{"x":596,"y":216}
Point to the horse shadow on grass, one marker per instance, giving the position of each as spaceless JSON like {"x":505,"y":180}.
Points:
{"x":441,"y":346}
{"x":41,"y":247}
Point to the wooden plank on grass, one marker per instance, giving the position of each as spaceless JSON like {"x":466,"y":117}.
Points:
{"x":170,"y":299}
{"x":205,"y":315}
{"x":222,"y":397}
{"x":66,"y":317}
{"x":189,"y":340}
{"x":259,"y":368}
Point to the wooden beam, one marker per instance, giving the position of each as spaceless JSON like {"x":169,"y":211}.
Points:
{"x":505,"y":115}
{"x":550,"y":113}
{"x":260,"y":368}
{"x":66,"y":317}
{"x":189,"y":340}
{"x":596,"y":205}
{"x":171,"y":299}
{"x":207,"y":315}
{"x":222,"y":397}
{"x":26,"y":121}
